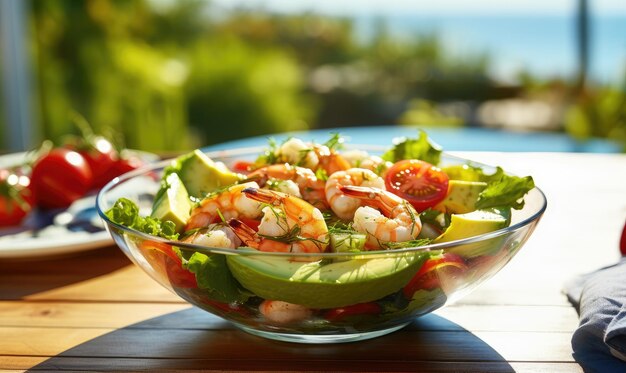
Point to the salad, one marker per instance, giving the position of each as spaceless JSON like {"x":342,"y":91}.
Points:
{"x":308,"y":199}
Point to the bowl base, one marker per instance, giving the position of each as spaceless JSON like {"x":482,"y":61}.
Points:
{"x":318,"y":339}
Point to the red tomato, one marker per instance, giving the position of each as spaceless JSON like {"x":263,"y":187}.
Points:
{"x":337,"y":314}
{"x":101,"y":157}
{"x":419,"y":182}
{"x":16,"y":198}
{"x":177,"y":275}
{"x":122,"y":166}
{"x":427,"y":278}
{"x":60,"y":177}
{"x":243,"y":167}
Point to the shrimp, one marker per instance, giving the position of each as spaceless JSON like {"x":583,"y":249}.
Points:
{"x":289,"y":224}
{"x":310,"y":155}
{"x":215,"y":235}
{"x":280,"y":312}
{"x":361,"y":159}
{"x":329,"y":160}
{"x":230,"y":203}
{"x":385,"y":216}
{"x":342,"y":205}
{"x":309,"y":187}
{"x":297,"y":152}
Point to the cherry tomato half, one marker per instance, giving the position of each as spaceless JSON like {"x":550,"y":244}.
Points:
{"x":337,"y":314}
{"x":427,"y":277}
{"x":60,"y":177}
{"x":419,"y":182}
{"x":243,"y":167}
{"x":16,"y":198}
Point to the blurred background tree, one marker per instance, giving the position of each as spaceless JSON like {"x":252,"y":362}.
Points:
{"x":170,"y":75}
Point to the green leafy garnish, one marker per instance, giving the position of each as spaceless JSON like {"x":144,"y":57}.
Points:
{"x":269,"y":155}
{"x":502,"y":190}
{"x":213,"y":276}
{"x":292,"y":235}
{"x":125,"y":212}
{"x":420,"y":148}
{"x":436,"y":218}
{"x":507,"y":191}
{"x":335,"y":142}
{"x":405,"y":244}
{"x":321,"y":174}
{"x":303,"y":153}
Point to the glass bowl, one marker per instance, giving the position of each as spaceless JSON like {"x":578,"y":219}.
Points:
{"x":321,"y":298}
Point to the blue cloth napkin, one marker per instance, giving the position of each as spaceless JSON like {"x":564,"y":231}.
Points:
{"x":599,"y":343}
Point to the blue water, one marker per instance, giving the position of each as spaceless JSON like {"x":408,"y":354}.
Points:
{"x":545,"y":45}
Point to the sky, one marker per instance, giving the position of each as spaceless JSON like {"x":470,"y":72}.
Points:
{"x":448,"y":7}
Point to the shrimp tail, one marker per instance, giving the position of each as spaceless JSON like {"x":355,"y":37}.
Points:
{"x":246,"y":234}
{"x":377,"y":198}
{"x":262,"y":195}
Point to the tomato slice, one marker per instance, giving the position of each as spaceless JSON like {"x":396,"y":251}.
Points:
{"x":177,"y":275}
{"x":427,"y":277}
{"x":337,"y":314}
{"x":418,"y":182}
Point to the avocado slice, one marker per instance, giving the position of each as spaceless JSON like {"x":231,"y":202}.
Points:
{"x":473,"y":224}
{"x":463,"y":172}
{"x":462,"y":196}
{"x":325,"y":285}
{"x":172,"y":202}
{"x":201,"y":175}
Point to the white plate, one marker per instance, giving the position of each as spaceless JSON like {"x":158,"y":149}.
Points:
{"x":48,"y":233}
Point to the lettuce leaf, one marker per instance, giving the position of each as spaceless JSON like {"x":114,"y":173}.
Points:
{"x":213,"y":276}
{"x":420,"y":148}
{"x":504,"y":191}
{"x":125,"y":212}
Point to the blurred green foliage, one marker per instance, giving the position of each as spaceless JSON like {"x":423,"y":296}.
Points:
{"x":600,"y":113}
{"x":170,"y":75}
{"x":424,"y":113}
{"x":161,"y":79}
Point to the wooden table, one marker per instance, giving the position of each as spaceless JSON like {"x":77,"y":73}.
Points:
{"x":97,"y":311}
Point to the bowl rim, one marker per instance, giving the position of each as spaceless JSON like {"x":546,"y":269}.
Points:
{"x":362,"y":254}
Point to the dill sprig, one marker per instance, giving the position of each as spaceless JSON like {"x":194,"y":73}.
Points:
{"x":269,"y":155}
{"x":335,"y":142}
{"x":405,"y":244}
{"x":293,"y":235}
{"x":303,"y":153}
